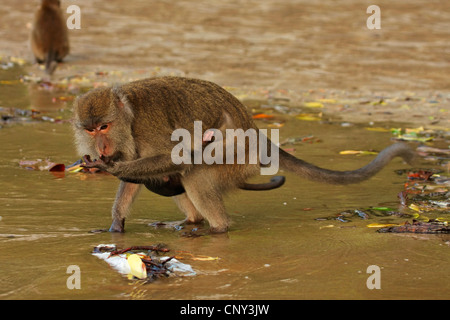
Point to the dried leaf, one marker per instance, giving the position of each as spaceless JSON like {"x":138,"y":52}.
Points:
{"x":309,"y":117}
{"x":357,"y":152}
{"x":381,"y":225}
{"x":414,"y":207}
{"x":382,"y":208}
{"x":205,"y":258}
{"x":380,"y":102}
{"x":313,"y":104}
{"x":420,"y":175}
{"x":263,"y":116}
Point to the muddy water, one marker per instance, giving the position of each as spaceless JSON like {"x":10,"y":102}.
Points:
{"x":276,"y":249}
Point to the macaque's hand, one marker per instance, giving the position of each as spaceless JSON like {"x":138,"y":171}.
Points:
{"x":98,"y":163}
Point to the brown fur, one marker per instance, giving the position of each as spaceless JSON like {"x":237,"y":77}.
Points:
{"x":49,"y":39}
{"x":144,"y":114}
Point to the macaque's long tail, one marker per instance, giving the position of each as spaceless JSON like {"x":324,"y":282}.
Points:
{"x":311,"y":172}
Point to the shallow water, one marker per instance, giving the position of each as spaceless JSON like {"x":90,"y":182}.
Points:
{"x":276,"y":249}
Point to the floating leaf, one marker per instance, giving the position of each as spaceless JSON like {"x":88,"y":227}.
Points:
{"x":381,"y":225}
{"x":309,"y":117}
{"x":263,"y":116}
{"x":9,"y":82}
{"x":380,"y":102}
{"x":396,"y":131}
{"x":423,"y":218}
{"x":412,"y":134}
{"x":414,"y":130}
{"x":420,"y":175}
{"x":313,"y":105}
{"x":137,"y":267}
{"x":76,"y":169}
{"x":63,"y":98}
{"x":382,"y":208}
{"x":406,"y":137}
{"x":357,"y":152}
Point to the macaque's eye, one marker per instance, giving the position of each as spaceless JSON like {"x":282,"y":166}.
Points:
{"x":104,"y":127}
{"x":90,"y":130}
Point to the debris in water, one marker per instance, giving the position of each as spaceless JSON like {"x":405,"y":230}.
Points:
{"x":432,"y":227}
{"x":42,"y":165}
{"x":142,"y":262}
{"x":357,"y":152}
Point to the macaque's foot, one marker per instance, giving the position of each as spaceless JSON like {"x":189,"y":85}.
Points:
{"x":217,"y":230}
{"x":199,"y":232}
{"x":190,"y":229}
{"x":117,"y":226}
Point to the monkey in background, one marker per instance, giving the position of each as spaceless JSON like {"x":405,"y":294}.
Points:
{"x":49,"y":39}
{"x":128,"y":130}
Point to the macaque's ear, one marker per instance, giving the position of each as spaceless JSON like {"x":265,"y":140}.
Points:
{"x":122,"y":102}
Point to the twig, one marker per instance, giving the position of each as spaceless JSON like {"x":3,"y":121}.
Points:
{"x":167,"y":260}
{"x":151,"y":248}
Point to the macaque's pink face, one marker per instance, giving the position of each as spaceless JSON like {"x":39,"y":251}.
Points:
{"x":102,"y":129}
{"x":103,"y":143}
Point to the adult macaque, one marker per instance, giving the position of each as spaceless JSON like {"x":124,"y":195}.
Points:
{"x":49,"y":40}
{"x":128,"y":130}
